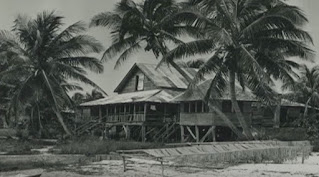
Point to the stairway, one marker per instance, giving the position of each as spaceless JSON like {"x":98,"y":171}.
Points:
{"x":165,"y":132}
{"x":87,"y":127}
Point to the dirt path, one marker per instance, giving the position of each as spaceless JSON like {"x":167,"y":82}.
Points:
{"x":146,"y":168}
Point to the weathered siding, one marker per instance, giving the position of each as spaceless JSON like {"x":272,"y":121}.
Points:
{"x":131,"y":83}
{"x":209,"y":118}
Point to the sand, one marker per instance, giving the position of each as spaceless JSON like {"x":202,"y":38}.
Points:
{"x":149,"y":168}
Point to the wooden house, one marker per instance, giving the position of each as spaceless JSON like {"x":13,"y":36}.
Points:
{"x":143,"y":106}
{"x":153,"y":104}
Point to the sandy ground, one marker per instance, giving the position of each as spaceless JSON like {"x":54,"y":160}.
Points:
{"x":147,"y":168}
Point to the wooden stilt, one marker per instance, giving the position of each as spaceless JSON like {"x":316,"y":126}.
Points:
{"x":197,"y":133}
{"x":207,"y":133}
{"x":214,"y":133}
{"x":143,"y":133}
{"x":190,"y":131}
{"x":100,"y":113}
{"x":182,"y":134}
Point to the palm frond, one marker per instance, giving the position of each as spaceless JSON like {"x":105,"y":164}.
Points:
{"x":91,"y":63}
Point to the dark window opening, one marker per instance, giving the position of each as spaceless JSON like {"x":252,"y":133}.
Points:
{"x":199,"y":106}
{"x":226,"y":106}
{"x":139,"y":82}
{"x":192,"y":106}
{"x":186,"y":107}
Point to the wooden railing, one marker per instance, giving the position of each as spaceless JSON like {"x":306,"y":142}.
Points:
{"x":125,"y":118}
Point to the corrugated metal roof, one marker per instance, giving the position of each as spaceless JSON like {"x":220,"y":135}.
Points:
{"x":165,"y":76}
{"x":159,"y":96}
{"x":197,"y":93}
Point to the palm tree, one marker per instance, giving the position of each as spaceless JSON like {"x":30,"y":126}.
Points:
{"x":250,"y":41}
{"x":306,"y":88}
{"x":154,"y":23}
{"x":192,"y":63}
{"x":79,"y":98}
{"x":46,"y":58}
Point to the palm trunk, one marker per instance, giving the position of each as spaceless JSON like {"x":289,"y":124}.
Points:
{"x":4,"y":121}
{"x":39,"y":119}
{"x":236,"y":108}
{"x":306,"y":108}
{"x":208,"y":102}
{"x":60,"y":119}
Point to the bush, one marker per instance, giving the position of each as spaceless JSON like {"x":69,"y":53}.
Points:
{"x":93,"y":145}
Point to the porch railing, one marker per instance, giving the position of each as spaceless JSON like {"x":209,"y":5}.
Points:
{"x":125,"y":118}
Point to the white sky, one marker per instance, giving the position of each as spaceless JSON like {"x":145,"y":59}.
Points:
{"x":84,"y":10}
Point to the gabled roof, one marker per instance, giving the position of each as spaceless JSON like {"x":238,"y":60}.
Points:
{"x":163,"y":77}
{"x":157,"y":96}
{"x":202,"y":88}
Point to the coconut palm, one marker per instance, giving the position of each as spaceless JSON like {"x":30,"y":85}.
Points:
{"x":306,"y":88}
{"x":141,"y":26}
{"x":152,"y":24}
{"x":46,"y":58}
{"x":250,"y":41}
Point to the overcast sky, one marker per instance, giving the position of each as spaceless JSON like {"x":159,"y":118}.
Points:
{"x":84,"y":10}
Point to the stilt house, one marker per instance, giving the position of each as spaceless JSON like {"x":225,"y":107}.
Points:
{"x":154,"y":105}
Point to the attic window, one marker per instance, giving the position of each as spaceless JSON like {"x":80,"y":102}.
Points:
{"x":139,"y":82}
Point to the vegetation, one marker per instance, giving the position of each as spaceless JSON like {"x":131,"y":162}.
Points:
{"x":250,"y":41}
{"x":79,"y":98}
{"x":306,"y":90}
{"x":44,"y":58}
{"x":16,"y":147}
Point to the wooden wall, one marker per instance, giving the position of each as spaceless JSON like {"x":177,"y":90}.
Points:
{"x":209,"y":118}
{"x":131,"y":83}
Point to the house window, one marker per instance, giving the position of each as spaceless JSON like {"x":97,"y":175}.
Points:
{"x":192,"y":106}
{"x":226,"y":106}
{"x":199,"y":106}
{"x":186,"y":107}
{"x":139,"y":82}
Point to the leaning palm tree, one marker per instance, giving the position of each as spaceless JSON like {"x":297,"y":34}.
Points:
{"x":152,"y":24}
{"x":250,"y":41}
{"x":47,"y":57}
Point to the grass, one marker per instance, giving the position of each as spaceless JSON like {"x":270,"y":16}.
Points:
{"x":5,"y":166}
{"x":92,"y":145}
{"x":19,"y":147}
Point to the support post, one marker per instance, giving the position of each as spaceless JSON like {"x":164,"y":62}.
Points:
{"x":107,"y":132}
{"x":190,"y":131}
{"x":214,"y":133}
{"x":134,"y":112}
{"x":107,"y":113}
{"x":277,"y":114}
{"x":182,"y":134}
{"x":143,"y":133}
{"x":128,"y":132}
{"x":145,"y":111}
{"x":211,"y":129}
{"x":100,"y":113}
{"x":197,"y":133}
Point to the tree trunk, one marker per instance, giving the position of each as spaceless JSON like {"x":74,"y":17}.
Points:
{"x":60,"y":119}
{"x":236,"y":108}
{"x":225,"y":119}
{"x":277,"y":113}
{"x":39,"y":119}
{"x":4,"y":121}
{"x":306,"y":108}
{"x":208,"y":102}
